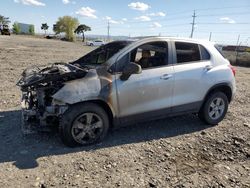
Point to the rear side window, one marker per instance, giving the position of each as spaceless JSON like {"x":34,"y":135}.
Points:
{"x":204,"y":53}
{"x":187,"y":52}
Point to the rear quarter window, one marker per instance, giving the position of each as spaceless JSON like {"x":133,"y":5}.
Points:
{"x":205,"y":55}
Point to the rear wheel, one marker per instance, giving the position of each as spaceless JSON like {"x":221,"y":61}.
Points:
{"x":214,"y":108}
{"x":83,"y":124}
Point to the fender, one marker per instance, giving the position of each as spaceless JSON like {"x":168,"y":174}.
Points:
{"x":90,"y":88}
{"x":223,"y":84}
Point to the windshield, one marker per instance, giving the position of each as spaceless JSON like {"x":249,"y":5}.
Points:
{"x":219,"y":49}
{"x":102,"y":54}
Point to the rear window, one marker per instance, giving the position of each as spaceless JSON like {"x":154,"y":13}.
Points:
{"x":219,"y":49}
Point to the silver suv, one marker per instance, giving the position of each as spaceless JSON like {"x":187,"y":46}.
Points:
{"x":124,"y":82}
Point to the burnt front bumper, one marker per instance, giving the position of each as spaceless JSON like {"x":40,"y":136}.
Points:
{"x":37,"y":116}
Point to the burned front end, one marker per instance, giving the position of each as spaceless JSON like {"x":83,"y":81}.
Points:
{"x":40,"y":112}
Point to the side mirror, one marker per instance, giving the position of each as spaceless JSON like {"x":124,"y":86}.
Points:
{"x":131,"y":68}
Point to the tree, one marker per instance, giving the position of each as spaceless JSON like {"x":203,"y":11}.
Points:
{"x":31,"y":29}
{"x":16,"y":28}
{"x":4,"y":20}
{"x":45,"y":27}
{"x":67,"y":25}
{"x":81,"y":29}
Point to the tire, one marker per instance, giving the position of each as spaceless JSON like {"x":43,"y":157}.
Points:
{"x":214,"y":109}
{"x":74,"y":125}
{"x":91,"y":44}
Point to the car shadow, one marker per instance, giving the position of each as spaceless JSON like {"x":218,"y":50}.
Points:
{"x":24,"y":151}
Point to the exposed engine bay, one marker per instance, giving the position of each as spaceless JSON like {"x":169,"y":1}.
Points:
{"x":38,"y":85}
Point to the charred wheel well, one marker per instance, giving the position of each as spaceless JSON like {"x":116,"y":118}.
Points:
{"x":105,"y":106}
{"x":224,"y":88}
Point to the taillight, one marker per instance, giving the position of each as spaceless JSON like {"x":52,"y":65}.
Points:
{"x":233,"y":69}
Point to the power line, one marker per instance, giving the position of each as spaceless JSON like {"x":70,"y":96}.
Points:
{"x":217,"y":23}
{"x":233,"y":13}
{"x":216,"y":8}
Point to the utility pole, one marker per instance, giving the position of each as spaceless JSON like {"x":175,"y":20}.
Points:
{"x":108,"y":30}
{"x":237,"y":49}
{"x":193,"y":24}
{"x":210,"y":36}
{"x":238,"y":40}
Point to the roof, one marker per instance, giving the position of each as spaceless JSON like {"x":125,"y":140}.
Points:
{"x":172,"y":38}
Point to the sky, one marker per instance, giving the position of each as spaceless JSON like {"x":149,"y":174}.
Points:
{"x":224,"y":19}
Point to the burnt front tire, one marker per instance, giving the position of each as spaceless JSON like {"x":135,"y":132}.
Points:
{"x":214,"y":109}
{"x":83,"y":124}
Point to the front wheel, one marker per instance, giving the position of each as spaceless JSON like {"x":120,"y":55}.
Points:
{"x":83,"y":124}
{"x":214,"y":108}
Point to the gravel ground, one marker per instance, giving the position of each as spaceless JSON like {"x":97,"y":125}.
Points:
{"x":173,"y":152}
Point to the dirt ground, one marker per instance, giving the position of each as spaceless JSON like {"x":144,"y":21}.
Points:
{"x":173,"y":152}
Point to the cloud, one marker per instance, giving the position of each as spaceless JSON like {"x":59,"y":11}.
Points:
{"x":87,"y":12}
{"x":30,"y":2}
{"x":139,"y":6}
{"x":68,"y":2}
{"x":160,"y":14}
{"x":112,"y":21}
{"x":124,"y":19}
{"x":143,"y":18}
{"x":227,"y":20}
{"x":65,"y":2}
{"x":156,"y":25}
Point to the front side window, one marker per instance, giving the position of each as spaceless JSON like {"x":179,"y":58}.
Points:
{"x":150,"y":55}
{"x":187,"y":52}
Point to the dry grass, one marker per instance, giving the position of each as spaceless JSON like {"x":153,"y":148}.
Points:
{"x":243,"y":58}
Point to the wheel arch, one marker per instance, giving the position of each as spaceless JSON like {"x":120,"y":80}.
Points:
{"x":222,"y":87}
{"x":103,"y":105}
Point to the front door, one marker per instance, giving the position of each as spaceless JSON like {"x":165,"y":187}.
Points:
{"x":148,"y":94}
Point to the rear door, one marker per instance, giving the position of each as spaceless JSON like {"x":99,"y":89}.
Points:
{"x":192,"y":63}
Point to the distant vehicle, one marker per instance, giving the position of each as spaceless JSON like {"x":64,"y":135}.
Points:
{"x":95,"y":43}
{"x":125,"y":82}
{"x":5,"y":30}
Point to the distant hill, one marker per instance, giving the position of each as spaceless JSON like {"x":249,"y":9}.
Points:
{"x":104,"y":37}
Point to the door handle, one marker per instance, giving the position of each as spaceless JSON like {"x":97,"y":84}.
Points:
{"x":208,"y":67}
{"x":166,"y":76}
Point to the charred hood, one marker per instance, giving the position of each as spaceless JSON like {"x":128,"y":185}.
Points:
{"x":57,"y":72}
